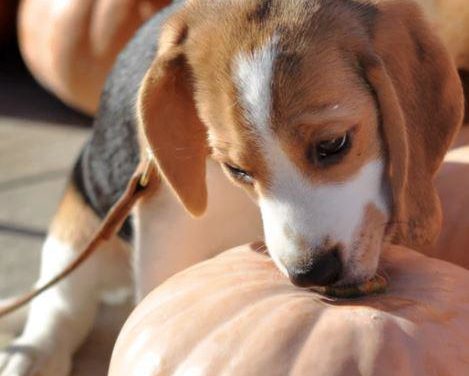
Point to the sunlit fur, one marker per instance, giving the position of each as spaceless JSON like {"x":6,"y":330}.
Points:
{"x":301,"y":218}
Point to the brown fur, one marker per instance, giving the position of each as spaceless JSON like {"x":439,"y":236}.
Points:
{"x":170,"y":123}
{"x":380,"y":60}
{"x":421,"y":102}
{"x":75,"y":222}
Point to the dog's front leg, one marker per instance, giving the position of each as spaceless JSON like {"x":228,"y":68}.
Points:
{"x":60,"y":319}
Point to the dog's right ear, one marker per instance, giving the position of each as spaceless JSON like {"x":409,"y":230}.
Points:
{"x":169,"y":122}
{"x":420,"y":100}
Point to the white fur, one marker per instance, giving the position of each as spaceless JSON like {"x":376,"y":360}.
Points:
{"x":169,"y":239}
{"x":61,"y":318}
{"x":51,"y":332}
{"x":314,"y":213}
{"x":253,"y":77}
{"x":317,"y":213}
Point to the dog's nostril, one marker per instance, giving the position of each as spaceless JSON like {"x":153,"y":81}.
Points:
{"x":323,"y":271}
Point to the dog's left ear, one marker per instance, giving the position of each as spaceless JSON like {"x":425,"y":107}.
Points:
{"x":169,"y":120}
{"x":420,"y":100}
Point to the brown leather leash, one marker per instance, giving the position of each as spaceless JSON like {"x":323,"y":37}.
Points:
{"x":111,"y":224}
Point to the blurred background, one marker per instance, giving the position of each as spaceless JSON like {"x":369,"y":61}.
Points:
{"x":54,"y":58}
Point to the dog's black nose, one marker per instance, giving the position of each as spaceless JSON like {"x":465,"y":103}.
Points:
{"x":323,"y":271}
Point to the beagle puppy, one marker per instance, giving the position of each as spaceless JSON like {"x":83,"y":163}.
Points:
{"x":333,"y":116}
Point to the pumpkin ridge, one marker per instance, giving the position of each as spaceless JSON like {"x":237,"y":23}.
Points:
{"x":164,"y":296}
{"x":175,"y":320}
{"x":310,"y":318}
{"x":234,"y":320}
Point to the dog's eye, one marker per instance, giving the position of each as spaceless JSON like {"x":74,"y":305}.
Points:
{"x":239,"y":174}
{"x":334,"y":147}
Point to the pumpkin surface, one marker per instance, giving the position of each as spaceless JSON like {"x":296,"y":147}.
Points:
{"x":452,"y":183}
{"x":237,"y":315}
{"x":70,"y":45}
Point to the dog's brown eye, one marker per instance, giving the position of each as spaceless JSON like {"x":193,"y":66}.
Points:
{"x":239,"y":174}
{"x":334,"y":147}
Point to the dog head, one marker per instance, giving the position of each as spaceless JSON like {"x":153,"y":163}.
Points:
{"x":333,"y":115}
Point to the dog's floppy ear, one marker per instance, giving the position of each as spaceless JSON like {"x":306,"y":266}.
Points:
{"x":421,"y":106}
{"x":169,"y":121}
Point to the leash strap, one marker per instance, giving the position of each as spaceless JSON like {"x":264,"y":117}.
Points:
{"x":111,"y":224}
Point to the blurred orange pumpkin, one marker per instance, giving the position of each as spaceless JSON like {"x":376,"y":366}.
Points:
{"x":237,"y":315}
{"x":451,"y":19}
{"x":70,"y":45}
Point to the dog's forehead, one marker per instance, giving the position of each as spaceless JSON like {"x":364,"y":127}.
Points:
{"x":252,"y":77}
{"x":254,"y":10}
{"x":278,"y":102}
{"x":279,"y":81}
{"x":259,"y":52}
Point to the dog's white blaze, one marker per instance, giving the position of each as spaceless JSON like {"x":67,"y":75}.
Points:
{"x":253,"y":77}
{"x":314,"y":213}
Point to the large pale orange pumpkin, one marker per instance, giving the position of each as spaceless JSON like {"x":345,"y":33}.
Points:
{"x":70,"y":45}
{"x":237,"y":315}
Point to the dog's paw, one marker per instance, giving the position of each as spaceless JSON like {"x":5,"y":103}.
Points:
{"x":23,"y":358}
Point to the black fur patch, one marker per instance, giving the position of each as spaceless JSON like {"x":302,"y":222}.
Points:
{"x":262,"y":12}
{"x":108,"y":160}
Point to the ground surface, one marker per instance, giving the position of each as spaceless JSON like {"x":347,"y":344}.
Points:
{"x":39,"y":139}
